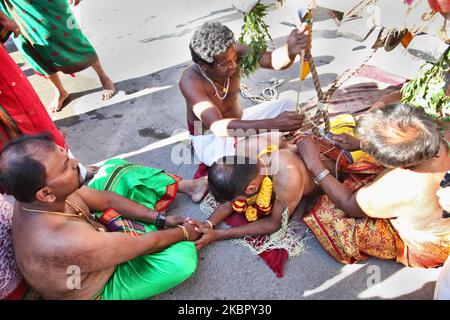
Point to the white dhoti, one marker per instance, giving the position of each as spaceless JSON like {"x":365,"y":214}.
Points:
{"x":209,"y":147}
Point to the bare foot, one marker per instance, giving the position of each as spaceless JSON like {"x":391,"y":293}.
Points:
{"x":60,"y":104}
{"x":197,"y":188}
{"x":108,"y":88}
{"x":91,"y":171}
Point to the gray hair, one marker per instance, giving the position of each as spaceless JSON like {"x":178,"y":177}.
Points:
{"x":211,"y":39}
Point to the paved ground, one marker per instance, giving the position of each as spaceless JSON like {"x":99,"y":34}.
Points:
{"x":144,"y":48}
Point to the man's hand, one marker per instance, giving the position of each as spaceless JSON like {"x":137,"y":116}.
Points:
{"x":346,"y":141}
{"x":10,"y":25}
{"x":192,"y":232}
{"x":287,"y":121}
{"x":309,"y":150}
{"x":444,"y":198}
{"x":173,"y":221}
{"x":208,"y":235}
{"x":298,"y":40}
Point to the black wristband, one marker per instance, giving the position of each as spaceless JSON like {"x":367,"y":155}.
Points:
{"x":160,"y":221}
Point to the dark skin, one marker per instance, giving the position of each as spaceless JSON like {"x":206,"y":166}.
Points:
{"x":290,"y":183}
{"x":9,"y":24}
{"x":223,"y":115}
{"x":46,"y":244}
{"x":341,"y":196}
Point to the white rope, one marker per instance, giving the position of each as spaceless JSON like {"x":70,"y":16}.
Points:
{"x":269,"y":92}
{"x":285,"y":238}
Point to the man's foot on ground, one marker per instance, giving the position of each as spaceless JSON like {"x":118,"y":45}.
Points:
{"x":199,"y":188}
{"x":59,"y":101}
{"x":108,"y":88}
{"x":91,"y":171}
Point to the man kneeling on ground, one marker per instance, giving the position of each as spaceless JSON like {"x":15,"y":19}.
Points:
{"x":397,"y":215}
{"x":64,"y":253}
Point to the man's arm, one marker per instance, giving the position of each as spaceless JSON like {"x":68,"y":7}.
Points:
{"x":9,"y":24}
{"x":209,"y":114}
{"x":343,"y":198}
{"x":102,"y":200}
{"x":390,"y":98}
{"x":95,"y":251}
{"x":283,"y":57}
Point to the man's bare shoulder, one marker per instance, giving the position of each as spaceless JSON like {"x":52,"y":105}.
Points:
{"x":189,"y":77}
{"x":288,"y":168}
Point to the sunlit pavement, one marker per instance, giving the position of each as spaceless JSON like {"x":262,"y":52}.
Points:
{"x":143,"y":46}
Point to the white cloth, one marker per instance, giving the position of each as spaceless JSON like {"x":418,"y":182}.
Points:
{"x":208,"y":148}
{"x":442,"y":290}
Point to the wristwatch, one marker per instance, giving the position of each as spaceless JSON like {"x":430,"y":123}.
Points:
{"x":321,"y":176}
{"x":160,"y":221}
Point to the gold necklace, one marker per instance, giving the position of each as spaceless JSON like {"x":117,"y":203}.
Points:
{"x":53,"y":212}
{"x":80,"y":214}
{"x":213,"y":83}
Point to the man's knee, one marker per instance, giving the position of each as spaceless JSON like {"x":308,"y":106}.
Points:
{"x":184,"y":262}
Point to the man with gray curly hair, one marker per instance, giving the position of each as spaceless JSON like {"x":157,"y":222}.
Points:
{"x":212,"y":39}
{"x":211,"y":89}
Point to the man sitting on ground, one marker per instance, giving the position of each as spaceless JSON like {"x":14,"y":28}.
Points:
{"x":64,"y":253}
{"x":397,"y":215}
{"x":211,"y":89}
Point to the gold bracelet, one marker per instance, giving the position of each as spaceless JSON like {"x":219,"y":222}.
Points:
{"x":185,"y":232}
{"x":210,"y":224}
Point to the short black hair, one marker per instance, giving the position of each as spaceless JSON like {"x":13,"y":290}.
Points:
{"x":399,"y":135}
{"x":21,"y":173}
{"x":229,"y":177}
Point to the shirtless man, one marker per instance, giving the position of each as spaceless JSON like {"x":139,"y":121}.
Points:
{"x":407,"y":142}
{"x":237,"y":178}
{"x":56,"y":240}
{"x":211,"y":89}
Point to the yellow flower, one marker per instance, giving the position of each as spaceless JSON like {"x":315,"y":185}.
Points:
{"x":265,"y":193}
{"x":251,"y":214}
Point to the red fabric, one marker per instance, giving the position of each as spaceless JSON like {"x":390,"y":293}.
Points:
{"x":20,"y":291}
{"x":275,"y":258}
{"x":22,"y":103}
{"x":202,"y":171}
{"x":442,"y":6}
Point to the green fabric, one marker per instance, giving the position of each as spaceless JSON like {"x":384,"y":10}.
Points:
{"x":148,"y":275}
{"x":50,"y":39}
{"x":142,"y":184}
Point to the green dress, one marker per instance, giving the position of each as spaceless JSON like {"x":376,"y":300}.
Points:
{"x":147,"y":275}
{"x":50,"y":38}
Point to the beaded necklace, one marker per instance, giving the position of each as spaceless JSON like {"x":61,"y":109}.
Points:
{"x":224,"y":89}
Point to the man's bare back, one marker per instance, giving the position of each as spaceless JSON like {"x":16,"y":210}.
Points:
{"x":48,"y":257}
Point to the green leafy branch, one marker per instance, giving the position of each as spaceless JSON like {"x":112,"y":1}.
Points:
{"x":255,"y":33}
{"x":427,"y":89}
